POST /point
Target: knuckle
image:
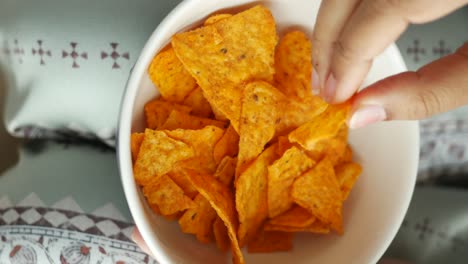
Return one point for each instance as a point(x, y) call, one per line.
point(428, 103)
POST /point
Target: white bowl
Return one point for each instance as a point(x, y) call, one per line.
point(388, 153)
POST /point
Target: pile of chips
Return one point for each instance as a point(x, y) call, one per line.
point(237, 149)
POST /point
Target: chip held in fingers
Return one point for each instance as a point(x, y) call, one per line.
point(236, 148)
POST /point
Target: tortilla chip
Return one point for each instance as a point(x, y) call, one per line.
point(281, 175)
point(318, 191)
point(217, 114)
point(169, 197)
point(293, 65)
point(271, 241)
point(262, 105)
point(197, 101)
point(316, 227)
point(226, 170)
point(135, 143)
point(199, 220)
point(251, 195)
point(228, 145)
point(332, 148)
point(222, 200)
point(347, 155)
point(324, 126)
point(221, 235)
point(178, 119)
point(215, 18)
point(294, 217)
point(225, 55)
point(283, 145)
point(157, 111)
point(347, 174)
point(158, 154)
point(181, 179)
point(203, 142)
point(173, 81)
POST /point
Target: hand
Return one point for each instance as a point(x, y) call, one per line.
point(138, 239)
point(349, 34)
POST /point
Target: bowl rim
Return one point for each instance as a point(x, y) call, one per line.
point(124, 126)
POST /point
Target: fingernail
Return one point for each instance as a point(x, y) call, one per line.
point(315, 82)
point(330, 88)
point(366, 115)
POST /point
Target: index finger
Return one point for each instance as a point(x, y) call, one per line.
point(374, 25)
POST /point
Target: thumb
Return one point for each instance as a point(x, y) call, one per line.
point(437, 87)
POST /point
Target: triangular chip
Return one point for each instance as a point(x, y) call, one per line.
point(169, 197)
point(203, 142)
point(178, 119)
point(181, 179)
point(221, 235)
point(225, 55)
point(262, 106)
point(158, 154)
point(226, 170)
point(166, 71)
point(281, 175)
point(271, 241)
point(295, 217)
point(293, 65)
point(318, 191)
point(157, 111)
point(347, 174)
point(324, 126)
point(222, 200)
point(228, 145)
point(215, 18)
point(135, 143)
point(197, 101)
point(347, 155)
point(199, 220)
point(251, 195)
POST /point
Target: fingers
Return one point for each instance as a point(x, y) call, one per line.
point(331, 19)
point(371, 28)
point(437, 87)
point(138, 239)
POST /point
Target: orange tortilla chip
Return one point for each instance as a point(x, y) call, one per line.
point(318, 191)
point(293, 65)
point(215, 18)
point(158, 154)
point(173, 81)
point(324, 126)
point(199, 220)
point(157, 111)
point(221, 235)
point(347, 155)
point(178, 119)
point(281, 175)
point(135, 144)
point(225, 55)
point(226, 170)
point(347, 174)
point(283, 145)
point(181, 179)
point(262, 105)
point(222, 200)
point(316, 227)
point(197, 101)
point(295, 217)
point(228, 145)
point(169, 197)
point(251, 195)
point(203, 142)
point(271, 241)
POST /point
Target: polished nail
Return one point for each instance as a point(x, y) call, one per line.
point(366, 115)
point(315, 82)
point(330, 89)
